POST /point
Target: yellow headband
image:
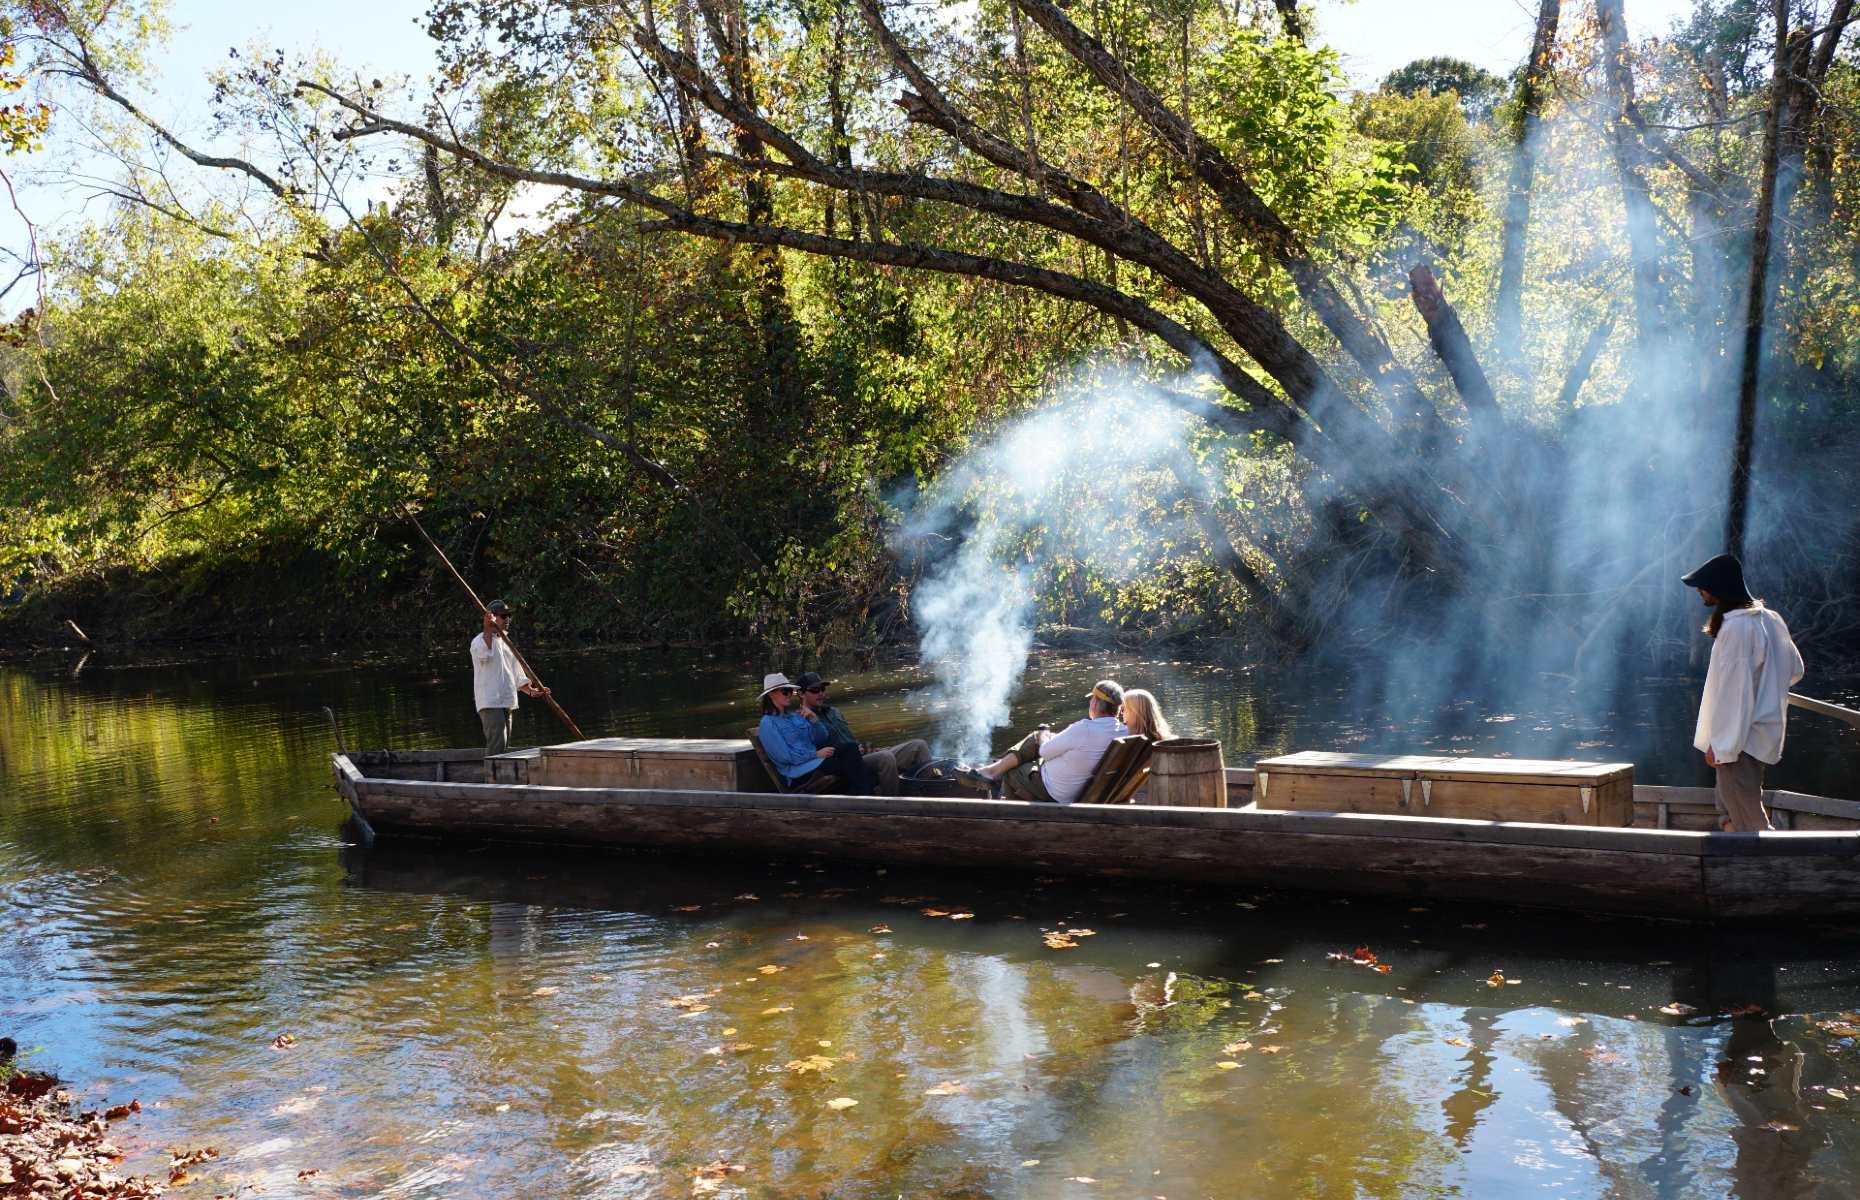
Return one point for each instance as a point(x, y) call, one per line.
point(1099, 693)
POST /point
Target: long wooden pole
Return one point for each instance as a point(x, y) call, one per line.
point(548, 697)
point(1838, 712)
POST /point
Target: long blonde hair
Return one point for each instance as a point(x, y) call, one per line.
point(1143, 717)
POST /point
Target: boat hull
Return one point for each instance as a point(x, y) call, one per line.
point(1667, 873)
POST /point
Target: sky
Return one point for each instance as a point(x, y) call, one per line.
point(388, 37)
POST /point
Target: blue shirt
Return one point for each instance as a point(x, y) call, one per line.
point(790, 739)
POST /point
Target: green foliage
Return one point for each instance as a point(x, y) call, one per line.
point(1476, 90)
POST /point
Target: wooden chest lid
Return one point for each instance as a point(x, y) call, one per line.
point(1445, 766)
point(1528, 770)
point(624, 747)
point(1327, 762)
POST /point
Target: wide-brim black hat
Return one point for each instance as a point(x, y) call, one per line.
point(1722, 576)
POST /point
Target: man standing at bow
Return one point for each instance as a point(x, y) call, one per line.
point(496, 678)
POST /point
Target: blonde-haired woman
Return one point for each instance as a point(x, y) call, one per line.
point(1142, 717)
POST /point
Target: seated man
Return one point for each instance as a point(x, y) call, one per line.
point(1055, 767)
point(886, 765)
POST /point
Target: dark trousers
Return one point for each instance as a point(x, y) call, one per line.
point(848, 766)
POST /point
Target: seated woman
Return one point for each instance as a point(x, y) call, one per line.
point(1141, 716)
point(1055, 767)
point(800, 746)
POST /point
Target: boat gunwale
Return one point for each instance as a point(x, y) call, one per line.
point(1697, 843)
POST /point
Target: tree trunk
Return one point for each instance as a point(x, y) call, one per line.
point(1448, 337)
point(1510, 303)
point(1737, 515)
point(1292, 20)
point(1643, 225)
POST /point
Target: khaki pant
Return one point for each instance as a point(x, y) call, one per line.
point(1740, 795)
point(894, 762)
point(1024, 782)
point(496, 722)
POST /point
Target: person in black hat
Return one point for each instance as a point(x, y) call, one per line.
point(1742, 715)
point(887, 764)
point(496, 678)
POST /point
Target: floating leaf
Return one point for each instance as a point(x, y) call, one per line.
point(934, 912)
point(962, 916)
point(1056, 940)
point(881, 929)
point(1455, 1041)
point(1270, 1049)
point(952, 1087)
point(770, 969)
point(691, 907)
point(1572, 1022)
point(545, 991)
point(813, 1062)
point(1228, 1065)
point(779, 1008)
point(1836, 1094)
point(284, 1041)
point(841, 1103)
point(1495, 979)
point(1676, 1009)
point(1029, 1162)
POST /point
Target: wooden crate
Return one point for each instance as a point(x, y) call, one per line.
point(1322, 781)
point(1546, 791)
point(1487, 789)
point(679, 764)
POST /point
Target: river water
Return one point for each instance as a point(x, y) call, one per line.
point(177, 895)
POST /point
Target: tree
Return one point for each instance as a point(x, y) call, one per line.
point(1478, 90)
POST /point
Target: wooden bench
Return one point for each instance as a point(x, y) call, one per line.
point(1488, 789)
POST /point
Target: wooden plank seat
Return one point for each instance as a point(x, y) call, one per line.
point(1124, 769)
point(1487, 789)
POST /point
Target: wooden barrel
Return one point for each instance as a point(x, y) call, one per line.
point(1187, 773)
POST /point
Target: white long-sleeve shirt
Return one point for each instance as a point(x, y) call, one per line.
point(1754, 662)
point(1068, 758)
point(495, 675)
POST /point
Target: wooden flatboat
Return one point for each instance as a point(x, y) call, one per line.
point(1669, 863)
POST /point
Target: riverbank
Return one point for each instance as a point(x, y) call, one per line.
point(49, 1148)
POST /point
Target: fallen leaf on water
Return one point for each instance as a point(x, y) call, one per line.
point(934, 912)
point(694, 1010)
point(691, 907)
point(770, 969)
point(1779, 1127)
point(730, 1032)
point(1228, 1065)
point(1029, 1162)
point(284, 1041)
point(1240, 1047)
point(545, 991)
point(953, 1087)
point(719, 1169)
point(309, 1173)
point(1454, 1041)
point(779, 1008)
point(1059, 941)
point(1084, 933)
point(503, 1108)
point(1676, 1009)
point(597, 978)
point(813, 1062)
point(881, 929)
point(1572, 1022)
point(749, 896)
point(1495, 979)
point(1748, 1010)
point(122, 1110)
point(1839, 1028)
point(962, 916)
point(1080, 1179)
point(1836, 1094)
point(841, 1103)
point(1270, 1049)
point(1267, 962)
point(636, 1169)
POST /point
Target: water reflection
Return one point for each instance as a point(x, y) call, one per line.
point(176, 892)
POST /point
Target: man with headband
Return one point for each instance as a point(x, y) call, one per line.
point(1054, 768)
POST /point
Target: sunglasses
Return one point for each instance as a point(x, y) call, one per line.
point(819, 691)
point(789, 691)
